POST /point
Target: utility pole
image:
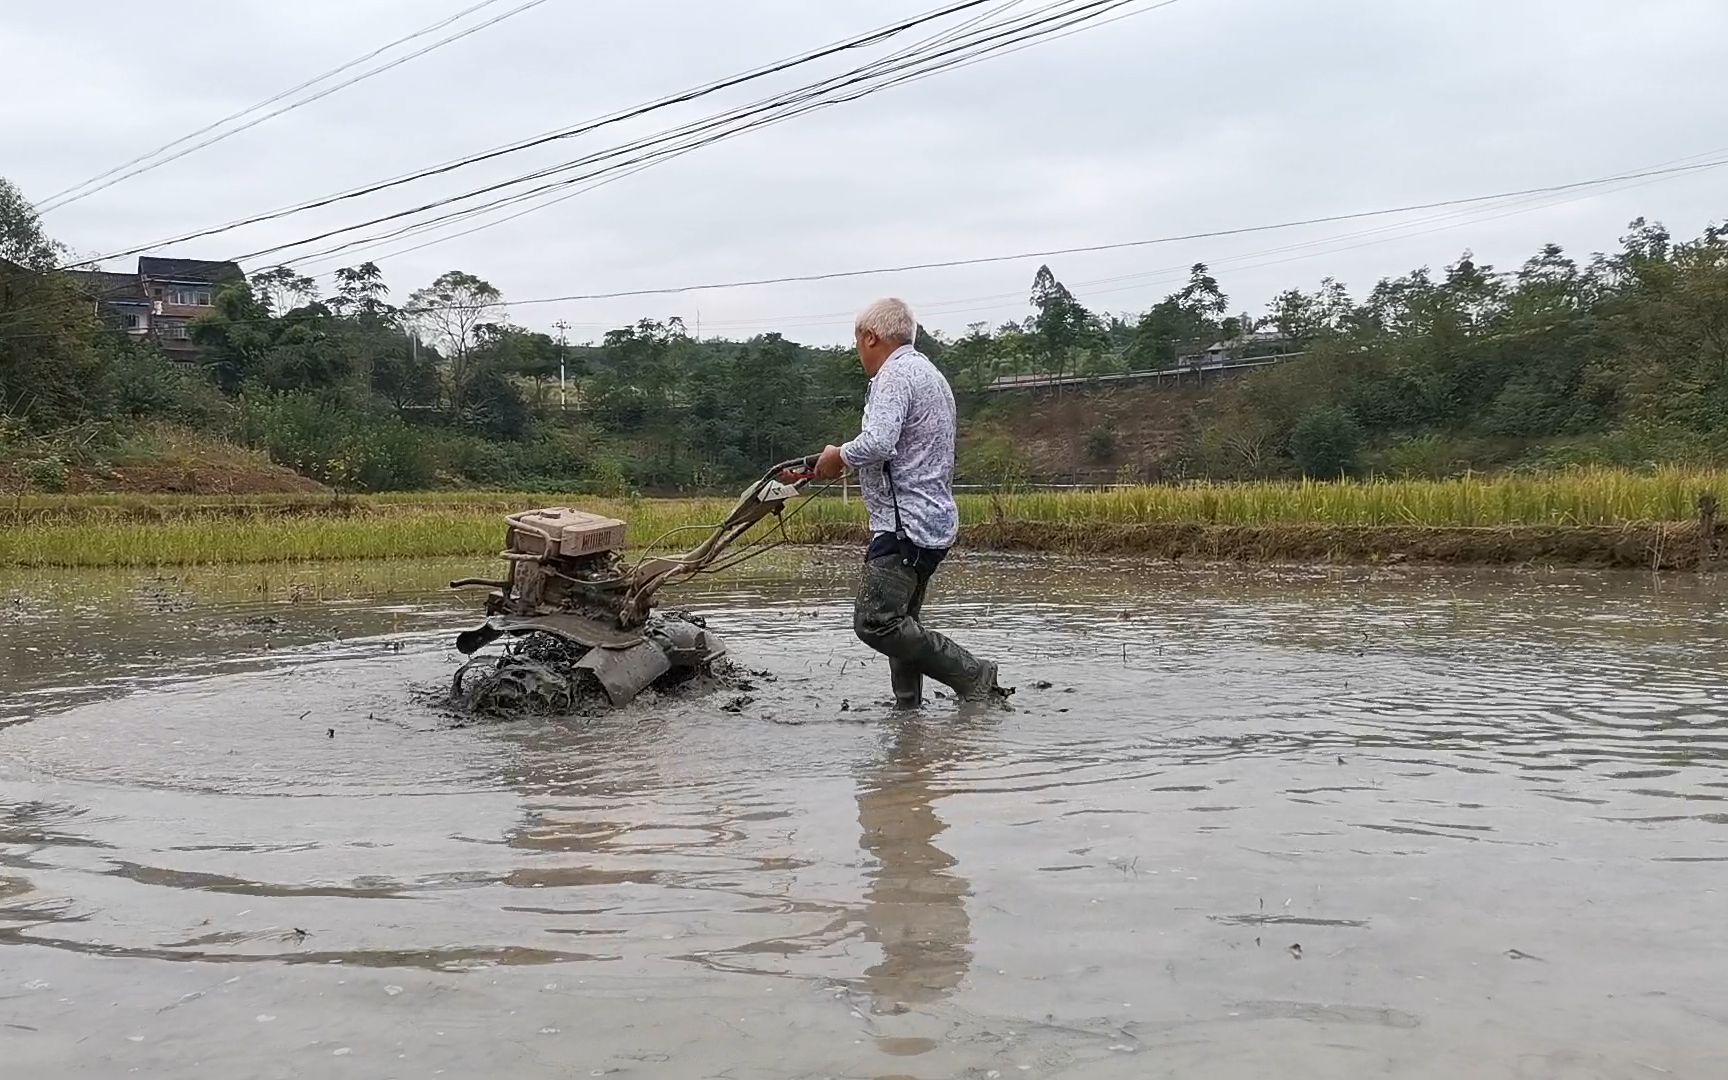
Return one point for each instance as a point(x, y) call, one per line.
point(563, 351)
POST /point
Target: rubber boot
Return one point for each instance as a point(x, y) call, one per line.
point(984, 687)
point(908, 684)
point(945, 660)
point(907, 680)
point(882, 619)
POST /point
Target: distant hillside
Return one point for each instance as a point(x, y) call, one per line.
point(1109, 431)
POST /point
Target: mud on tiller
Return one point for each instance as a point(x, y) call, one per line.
point(582, 619)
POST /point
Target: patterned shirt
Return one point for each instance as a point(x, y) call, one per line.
point(909, 422)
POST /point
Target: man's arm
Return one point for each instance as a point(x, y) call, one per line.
point(884, 414)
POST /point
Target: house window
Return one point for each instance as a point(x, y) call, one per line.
point(133, 322)
point(173, 331)
point(189, 297)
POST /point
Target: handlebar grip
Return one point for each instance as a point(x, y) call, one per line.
point(805, 465)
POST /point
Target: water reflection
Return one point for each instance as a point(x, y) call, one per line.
point(914, 904)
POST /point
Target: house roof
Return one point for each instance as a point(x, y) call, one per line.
point(115, 288)
point(201, 270)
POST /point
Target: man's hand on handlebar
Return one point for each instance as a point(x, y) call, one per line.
point(830, 465)
point(824, 466)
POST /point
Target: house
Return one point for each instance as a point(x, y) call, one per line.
point(1253, 345)
point(119, 297)
point(161, 299)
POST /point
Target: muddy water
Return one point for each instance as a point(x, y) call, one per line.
point(1260, 823)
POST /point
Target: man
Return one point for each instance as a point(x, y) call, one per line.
point(904, 457)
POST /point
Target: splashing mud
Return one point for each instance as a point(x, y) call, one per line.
point(1240, 822)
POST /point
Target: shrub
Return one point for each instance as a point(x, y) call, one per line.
point(47, 471)
point(1423, 456)
point(606, 477)
point(1637, 445)
point(992, 459)
point(477, 461)
point(1100, 445)
point(554, 457)
point(145, 385)
point(343, 447)
point(1326, 443)
point(391, 456)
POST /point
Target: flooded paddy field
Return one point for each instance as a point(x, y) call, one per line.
point(1239, 822)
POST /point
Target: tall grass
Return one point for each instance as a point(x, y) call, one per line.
point(1582, 497)
point(396, 532)
point(186, 530)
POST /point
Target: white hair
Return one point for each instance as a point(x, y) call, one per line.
point(891, 320)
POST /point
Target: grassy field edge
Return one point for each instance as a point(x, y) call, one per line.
point(1588, 517)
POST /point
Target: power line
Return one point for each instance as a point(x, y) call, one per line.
point(1646, 176)
point(1572, 186)
point(44, 205)
point(856, 42)
point(92, 185)
point(1247, 261)
point(746, 118)
point(328, 256)
point(649, 161)
point(1535, 200)
point(1141, 279)
point(704, 132)
point(1121, 245)
point(1452, 219)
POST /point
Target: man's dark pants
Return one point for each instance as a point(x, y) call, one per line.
point(886, 617)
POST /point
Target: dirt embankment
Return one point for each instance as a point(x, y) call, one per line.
point(205, 478)
point(156, 459)
point(1143, 425)
point(1668, 546)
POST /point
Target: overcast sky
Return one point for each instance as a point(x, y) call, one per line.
point(1201, 115)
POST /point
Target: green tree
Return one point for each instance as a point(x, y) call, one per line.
point(235, 336)
point(1187, 318)
point(22, 240)
point(1326, 444)
point(1304, 318)
point(361, 294)
point(281, 290)
point(51, 365)
point(450, 313)
point(51, 369)
point(403, 373)
point(1061, 325)
point(301, 349)
point(930, 345)
point(635, 391)
point(769, 390)
point(1668, 323)
point(524, 354)
point(495, 407)
point(971, 361)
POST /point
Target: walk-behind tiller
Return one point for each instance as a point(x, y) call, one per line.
point(582, 619)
